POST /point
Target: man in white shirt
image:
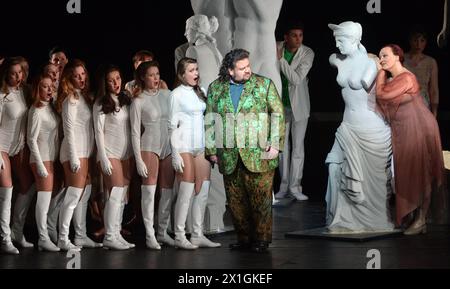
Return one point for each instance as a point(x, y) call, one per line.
point(295, 60)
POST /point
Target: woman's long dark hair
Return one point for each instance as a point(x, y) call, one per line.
point(107, 103)
point(181, 69)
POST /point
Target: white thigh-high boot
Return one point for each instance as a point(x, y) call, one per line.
point(5, 217)
point(111, 212)
point(71, 200)
point(120, 218)
point(79, 221)
point(148, 206)
point(52, 215)
point(21, 207)
point(42, 205)
point(185, 193)
point(164, 208)
point(198, 216)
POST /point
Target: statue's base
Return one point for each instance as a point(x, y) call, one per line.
point(323, 233)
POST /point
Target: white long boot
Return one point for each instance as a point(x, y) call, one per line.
point(164, 208)
point(79, 221)
point(111, 212)
point(71, 200)
point(185, 193)
point(5, 217)
point(42, 205)
point(52, 215)
point(120, 218)
point(148, 205)
point(198, 216)
point(21, 207)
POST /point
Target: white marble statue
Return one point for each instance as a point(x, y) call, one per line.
point(199, 30)
point(202, 47)
point(247, 24)
point(359, 163)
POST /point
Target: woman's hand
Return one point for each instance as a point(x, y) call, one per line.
point(75, 165)
point(177, 162)
point(141, 168)
point(106, 166)
point(42, 171)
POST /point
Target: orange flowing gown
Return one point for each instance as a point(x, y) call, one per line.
point(416, 142)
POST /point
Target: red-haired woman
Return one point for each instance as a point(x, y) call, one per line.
point(74, 104)
point(416, 143)
point(43, 141)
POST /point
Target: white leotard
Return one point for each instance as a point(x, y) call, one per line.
point(112, 131)
point(187, 115)
point(152, 111)
point(42, 135)
point(78, 128)
point(13, 121)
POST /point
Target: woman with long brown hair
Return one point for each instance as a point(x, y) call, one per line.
point(188, 103)
point(14, 154)
point(112, 135)
point(74, 104)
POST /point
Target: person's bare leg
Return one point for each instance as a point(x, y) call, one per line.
point(166, 180)
point(20, 164)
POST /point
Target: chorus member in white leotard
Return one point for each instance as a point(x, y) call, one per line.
point(52, 71)
point(188, 103)
point(43, 141)
point(77, 146)
point(14, 155)
point(150, 108)
point(112, 135)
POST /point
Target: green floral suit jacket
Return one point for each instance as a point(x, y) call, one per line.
point(257, 123)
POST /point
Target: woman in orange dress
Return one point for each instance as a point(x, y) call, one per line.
point(416, 143)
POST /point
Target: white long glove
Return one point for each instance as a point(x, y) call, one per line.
point(75, 164)
point(41, 170)
point(135, 121)
point(69, 118)
point(33, 128)
point(141, 168)
point(106, 166)
point(177, 160)
point(99, 126)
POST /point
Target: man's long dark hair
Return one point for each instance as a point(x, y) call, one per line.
point(229, 62)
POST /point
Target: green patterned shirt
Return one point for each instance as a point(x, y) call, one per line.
point(285, 92)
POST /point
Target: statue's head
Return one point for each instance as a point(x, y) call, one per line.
point(348, 36)
point(198, 26)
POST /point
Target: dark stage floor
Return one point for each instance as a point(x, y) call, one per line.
point(424, 251)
